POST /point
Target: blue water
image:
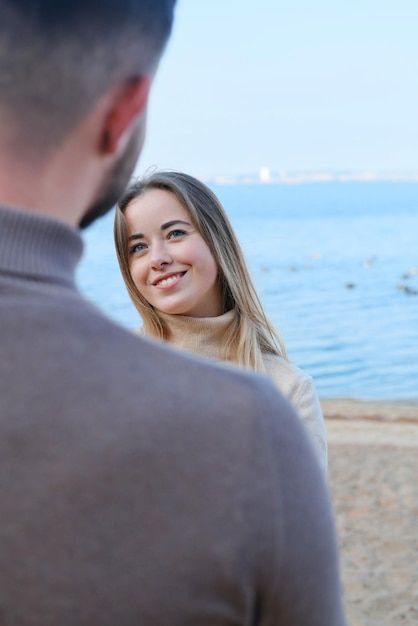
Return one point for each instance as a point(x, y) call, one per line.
point(334, 266)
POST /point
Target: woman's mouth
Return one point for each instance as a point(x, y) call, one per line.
point(169, 281)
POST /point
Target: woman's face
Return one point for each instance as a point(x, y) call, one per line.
point(170, 262)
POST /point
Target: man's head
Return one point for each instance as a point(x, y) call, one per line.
point(59, 57)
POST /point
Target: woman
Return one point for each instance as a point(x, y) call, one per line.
point(188, 279)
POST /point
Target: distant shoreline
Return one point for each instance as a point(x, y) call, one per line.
point(374, 410)
point(297, 178)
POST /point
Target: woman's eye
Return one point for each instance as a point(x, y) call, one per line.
point(138, 247)
point(173, 234)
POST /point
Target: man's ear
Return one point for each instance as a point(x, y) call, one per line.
point(130, 101)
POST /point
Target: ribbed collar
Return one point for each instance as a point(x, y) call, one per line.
point(202, 335)
point(38, 247)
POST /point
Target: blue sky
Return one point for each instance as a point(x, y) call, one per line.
point(302, 86)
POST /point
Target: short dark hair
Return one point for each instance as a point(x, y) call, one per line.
point(57, 57)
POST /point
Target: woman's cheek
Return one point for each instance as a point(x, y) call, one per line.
point(135, 274)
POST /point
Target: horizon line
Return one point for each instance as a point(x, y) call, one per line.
point(265, 177)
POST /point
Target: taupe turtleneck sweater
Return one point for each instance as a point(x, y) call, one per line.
point(205, 336)
point(139, 485)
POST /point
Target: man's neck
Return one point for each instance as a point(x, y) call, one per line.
point(54, 188)
point(59, 182)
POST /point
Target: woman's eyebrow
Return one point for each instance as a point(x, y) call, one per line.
point(162, 227)
point(173, 223)
point(136, 236)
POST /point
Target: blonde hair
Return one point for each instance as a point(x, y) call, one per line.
point(251, 335)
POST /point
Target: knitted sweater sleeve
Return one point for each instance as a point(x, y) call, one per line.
point(299, 388)
point(306, 402)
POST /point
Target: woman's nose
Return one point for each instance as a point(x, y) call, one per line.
point(160, 257)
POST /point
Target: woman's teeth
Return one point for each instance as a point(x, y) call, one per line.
point(169, 280)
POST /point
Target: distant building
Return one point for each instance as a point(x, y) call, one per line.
point(265, 175)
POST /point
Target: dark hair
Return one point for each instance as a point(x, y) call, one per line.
point(57, 57)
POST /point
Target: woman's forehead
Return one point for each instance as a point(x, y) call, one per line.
point(153, 208)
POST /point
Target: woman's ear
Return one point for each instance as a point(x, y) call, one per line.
point(129, 104)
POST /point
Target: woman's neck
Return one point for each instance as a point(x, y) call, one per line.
point(200, 335)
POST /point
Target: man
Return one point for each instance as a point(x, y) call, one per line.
point(137, 486)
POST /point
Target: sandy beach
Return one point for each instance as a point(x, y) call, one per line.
point(373, 479)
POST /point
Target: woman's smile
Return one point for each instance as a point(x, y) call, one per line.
point(168, 281)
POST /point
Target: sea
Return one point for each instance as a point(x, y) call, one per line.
point(336, 267)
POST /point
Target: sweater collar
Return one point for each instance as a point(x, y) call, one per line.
point(38, 247)
point(201, 335)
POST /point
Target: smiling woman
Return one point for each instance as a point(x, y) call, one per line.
point(188, 279)
point(169, 261)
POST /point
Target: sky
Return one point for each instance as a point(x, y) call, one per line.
point(296, 86)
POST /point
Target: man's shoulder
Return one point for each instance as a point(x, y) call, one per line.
point(224, 383)
point(197, 386)
point(85, 350)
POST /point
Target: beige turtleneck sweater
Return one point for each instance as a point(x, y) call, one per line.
point(205, 336)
